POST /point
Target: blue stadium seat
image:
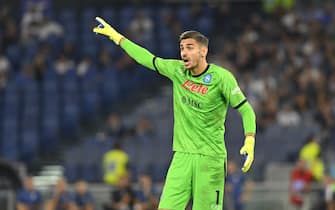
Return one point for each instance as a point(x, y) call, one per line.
point(89, 167)
point(110, 87)
point(88, 14)
point(205, 25)
point(146, 157)
point(30, 50)
point(159, 171)
point(11, 103)
point(108, 14)
point(69, 28)
point(14, 53)
point(125, 16)
point(10, 148)
point(66, 15)
point(90, 97)
point(162, 13)
point(184, 15)
point(29, 146)
point(49, 134)
point(72, 167)
point(90, 49)
point(50, 113)
point(69, 112)
point(168, 49)
point(9, 145)
point(164, 33)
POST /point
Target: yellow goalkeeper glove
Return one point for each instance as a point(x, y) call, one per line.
point(105, 29)
point(248, 151)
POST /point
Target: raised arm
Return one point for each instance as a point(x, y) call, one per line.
point(138, 53)
point(141, 55)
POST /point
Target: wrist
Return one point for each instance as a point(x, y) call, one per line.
point(121, 40)
point(117, 38)
point(250, 134)
point(249, 139)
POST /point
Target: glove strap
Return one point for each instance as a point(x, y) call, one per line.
point(116, 38)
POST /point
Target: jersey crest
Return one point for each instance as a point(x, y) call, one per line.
point(208, 78)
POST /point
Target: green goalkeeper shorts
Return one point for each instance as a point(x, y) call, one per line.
point(194, 176)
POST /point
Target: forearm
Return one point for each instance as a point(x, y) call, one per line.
point(138, 53)
point(248, 119)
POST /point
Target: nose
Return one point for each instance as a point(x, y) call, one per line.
point(183, 53)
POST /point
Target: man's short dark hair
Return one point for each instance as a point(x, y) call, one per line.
point(199, 37)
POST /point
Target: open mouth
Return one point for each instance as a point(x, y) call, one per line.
point(186, 61)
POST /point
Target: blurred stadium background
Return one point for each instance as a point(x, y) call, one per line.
point(67, 95)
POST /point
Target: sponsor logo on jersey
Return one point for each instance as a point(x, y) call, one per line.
point(207, 78)
point(195, 88)
point(190, 102)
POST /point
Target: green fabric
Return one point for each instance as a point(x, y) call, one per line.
point(200, 102)
point(138, 53)
point(248, 118)
point(197, 176)
point(200, 106)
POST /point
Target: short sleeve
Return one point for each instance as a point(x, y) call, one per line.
point(166, 67)
point(231, 91)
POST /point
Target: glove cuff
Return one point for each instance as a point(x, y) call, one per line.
point(116, 38)
point(249, 140)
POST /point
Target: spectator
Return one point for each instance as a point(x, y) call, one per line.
point(115, 127)
point(329, 192)
point(82, 197)
point(31, 22)
point(49, 28)
point(296, 48)
point(288, 117)
point(10, 32)
point(61, 199)
point(144, 141)
point(146, 195)
point(317, 168)
point(122, 196)
point(141, 27)
point(311, 149)
point(300, 185)
point(235, 187)
point(28, 198)
point(4, 71)
point(115, 164)
point(63, 64)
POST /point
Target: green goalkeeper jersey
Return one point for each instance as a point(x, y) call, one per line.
point(200, 102)
point(200, 106)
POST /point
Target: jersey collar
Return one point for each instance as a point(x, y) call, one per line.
point(202, 73)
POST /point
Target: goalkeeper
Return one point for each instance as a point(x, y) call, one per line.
point(202, 93)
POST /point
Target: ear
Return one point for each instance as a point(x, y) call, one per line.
point(203, 51)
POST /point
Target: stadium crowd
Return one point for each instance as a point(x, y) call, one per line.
point(58, 82)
